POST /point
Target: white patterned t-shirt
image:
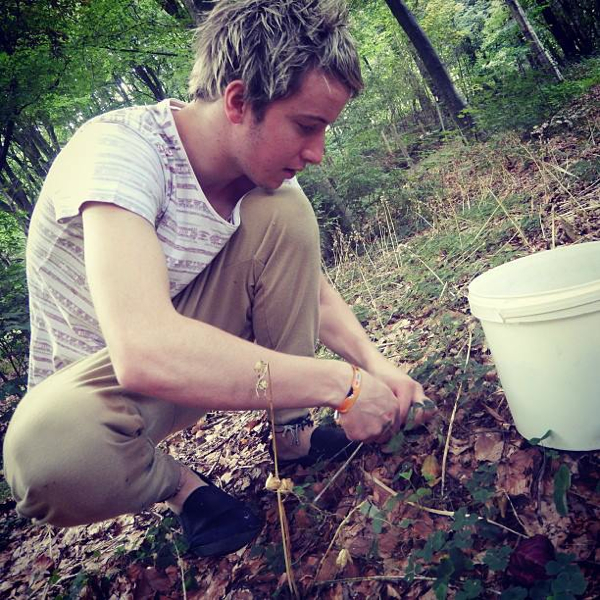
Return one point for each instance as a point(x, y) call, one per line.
point(132, 158)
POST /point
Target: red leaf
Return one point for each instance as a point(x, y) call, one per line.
point(527, 563)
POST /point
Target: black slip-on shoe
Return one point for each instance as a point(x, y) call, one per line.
point(215, 523)
point(327, 442)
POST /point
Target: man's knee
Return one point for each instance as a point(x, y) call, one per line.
point(285, 214)
point(60, 459)
point(34, 461)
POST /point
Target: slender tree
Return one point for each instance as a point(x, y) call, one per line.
point(542, 57)
point(63, 62)
point(558, 30)
point(575, 24)
point(442, 85)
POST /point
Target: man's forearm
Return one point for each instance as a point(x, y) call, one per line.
point(192, 363)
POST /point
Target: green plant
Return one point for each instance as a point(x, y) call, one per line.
point(565, 582)
point(562, 483)
point(14, 309)
point(524, 101)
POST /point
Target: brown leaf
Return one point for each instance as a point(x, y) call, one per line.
point(423, 526)
point(528, 561)
point(494, 414)
point(218, 585)
point(361, 544)
point(302, 519)
point(328, 569)
point(158, 581)
point(226, 477)
point(459, 446)
point(582, 547)
point(514, 476)
point(489, 447)
point(42, 565)
point(387, 542)
point(430, 470)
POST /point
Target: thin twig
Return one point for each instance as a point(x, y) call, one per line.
point(337, 473)
point(453, 415)
point(484, 226)
point(368, 288)
point(337, 531)
point(516, 515)
point(372, 578)
point(405, 247)
point(264, 385)
point(435, 511)
point(181, 572)
point(448, 438)
point(51, 552)
point(216, 462)
point(515, 224)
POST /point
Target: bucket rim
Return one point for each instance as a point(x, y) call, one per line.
point(489, 278)
point(582, 287)
point(559, 301)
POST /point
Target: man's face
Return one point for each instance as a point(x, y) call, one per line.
point(291, 134)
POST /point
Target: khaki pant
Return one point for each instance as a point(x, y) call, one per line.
point(80, 448)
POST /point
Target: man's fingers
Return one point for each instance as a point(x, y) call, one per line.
point(425, 409)
point(386, 434)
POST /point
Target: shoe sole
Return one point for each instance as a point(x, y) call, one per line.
point(231, 544)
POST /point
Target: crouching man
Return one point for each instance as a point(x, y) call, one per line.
point(171, 249)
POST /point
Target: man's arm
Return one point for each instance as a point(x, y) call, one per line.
point(158, 352)
point(342, 333)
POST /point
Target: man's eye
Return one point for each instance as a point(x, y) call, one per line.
point(306, 128)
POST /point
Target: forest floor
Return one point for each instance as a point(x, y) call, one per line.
point(441, 510)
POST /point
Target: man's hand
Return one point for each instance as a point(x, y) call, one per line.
point(383, 405)
point(376, 410)
point(391, 391)
point(406, 389)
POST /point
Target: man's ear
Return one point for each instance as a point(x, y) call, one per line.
point(234, 102)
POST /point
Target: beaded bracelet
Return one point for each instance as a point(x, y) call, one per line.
point(353, 393)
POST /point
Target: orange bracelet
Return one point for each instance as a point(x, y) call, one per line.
point(352, 397)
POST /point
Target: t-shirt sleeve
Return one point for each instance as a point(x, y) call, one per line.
point(107, 162)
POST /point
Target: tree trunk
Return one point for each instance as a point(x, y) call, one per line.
point(150, 79)
point(435, 67)
point(563, 39)
point(540, 54)
point(344, 212)
point(581, 19)
point(195, 8)
point(15, 196)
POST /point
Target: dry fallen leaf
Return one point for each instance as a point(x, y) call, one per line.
point(430, 470)
point(515, 475)
point(489, 447)
point(459, 446)
point(274, 484)
point(343, 558)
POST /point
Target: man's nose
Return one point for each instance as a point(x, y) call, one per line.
point(313, 153)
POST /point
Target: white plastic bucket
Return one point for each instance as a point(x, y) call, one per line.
point(541, 318)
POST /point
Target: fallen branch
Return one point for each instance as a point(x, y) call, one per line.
point(337, 531)
point(372, 578)
point(435, 511)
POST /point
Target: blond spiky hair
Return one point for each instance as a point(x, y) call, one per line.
point(270, 45)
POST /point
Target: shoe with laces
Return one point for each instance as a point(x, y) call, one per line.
point(215, 523)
